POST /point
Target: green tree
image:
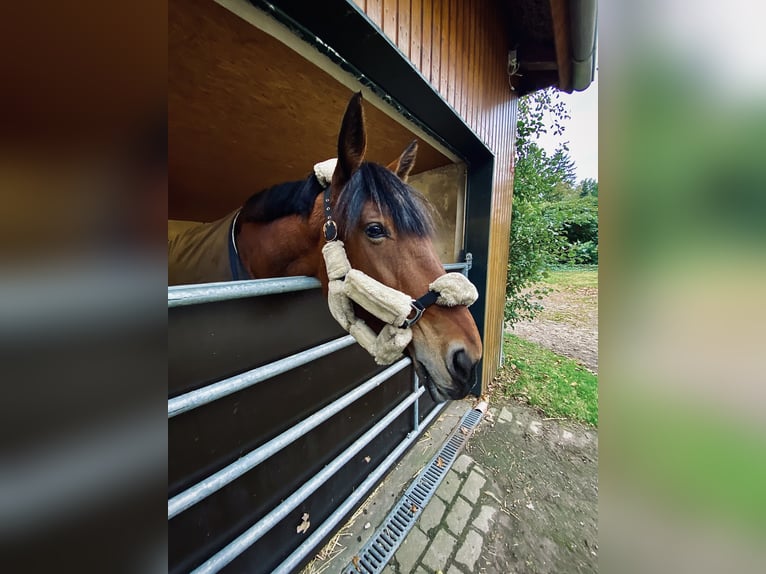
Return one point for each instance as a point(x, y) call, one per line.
point(563, 166)
point(534, 243)
point(540, 112)
point(588, 187)
point(554, 219)
point(536, 176)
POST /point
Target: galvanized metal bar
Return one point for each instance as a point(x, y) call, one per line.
point(180, 295)
point(215, 482)
point(462, 267)
point(324, 529)
point(416, 406)
point(210, 393)
point(255, 532)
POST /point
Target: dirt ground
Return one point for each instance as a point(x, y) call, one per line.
point(544, 475)
point(567, 326)
point(544, 471)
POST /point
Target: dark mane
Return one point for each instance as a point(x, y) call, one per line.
point(408, 209)
point(281, 200)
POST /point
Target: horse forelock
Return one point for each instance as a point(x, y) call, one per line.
point(408, 209)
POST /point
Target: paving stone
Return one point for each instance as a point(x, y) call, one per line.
point(454, 570)
point(486, 515)
point(462, 463)
point(506, 416)
point(472, 486)
point(458, 515)
point(411, 549)
point(449, 486)
point(420, 570)
point(438, 552)
point(432, 514)
point(470, 550)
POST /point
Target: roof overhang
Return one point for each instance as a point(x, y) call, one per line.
point(555, 43)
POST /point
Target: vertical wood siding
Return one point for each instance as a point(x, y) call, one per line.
point(461, 47)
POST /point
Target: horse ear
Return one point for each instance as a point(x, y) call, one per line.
point(352, 141)
point(402, 166)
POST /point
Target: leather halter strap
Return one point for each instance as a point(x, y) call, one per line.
point(330, 228)
point(419, 307)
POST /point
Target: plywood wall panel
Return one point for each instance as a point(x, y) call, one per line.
point(445, 42)
point(453, 62)
point(425, 46)
point(373, 9)
point(390, 17)
point(403, 24)
point(434, 73)
point(416, 33)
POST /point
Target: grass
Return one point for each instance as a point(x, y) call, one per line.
point(572, 276)
point(558, 386)
point(577, 283)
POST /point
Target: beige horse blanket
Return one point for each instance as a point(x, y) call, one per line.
point(204, 253)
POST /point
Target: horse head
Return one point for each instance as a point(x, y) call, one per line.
point(387, 229)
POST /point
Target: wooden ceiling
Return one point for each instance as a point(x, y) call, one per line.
point(247, 112)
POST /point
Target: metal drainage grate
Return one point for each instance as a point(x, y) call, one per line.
point(374, 555)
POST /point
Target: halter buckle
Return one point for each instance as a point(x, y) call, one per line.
point(418, 309)
point(330, 230)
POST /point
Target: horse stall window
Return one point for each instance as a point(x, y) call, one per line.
point(279, 423)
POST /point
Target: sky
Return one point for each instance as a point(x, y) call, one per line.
point(581, 130)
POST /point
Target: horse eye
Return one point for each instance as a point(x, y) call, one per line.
point(375, 231)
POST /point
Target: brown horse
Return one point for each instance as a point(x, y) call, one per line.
point(387, 230)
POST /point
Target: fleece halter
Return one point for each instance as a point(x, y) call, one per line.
point(397, 310)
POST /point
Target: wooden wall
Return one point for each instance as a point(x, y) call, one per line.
point(461, 48)
point(246, 112)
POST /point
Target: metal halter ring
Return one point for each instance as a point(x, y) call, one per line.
point(419, 309)
point(330, 230)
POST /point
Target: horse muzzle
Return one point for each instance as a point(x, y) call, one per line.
point(457, 385)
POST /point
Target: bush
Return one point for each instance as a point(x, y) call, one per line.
point(575, 221)
point(533, 241)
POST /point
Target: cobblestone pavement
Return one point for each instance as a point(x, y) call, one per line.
point(494, 515)
point(521, 498)
point(449, 535)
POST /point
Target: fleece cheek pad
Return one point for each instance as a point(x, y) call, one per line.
point(387, 304)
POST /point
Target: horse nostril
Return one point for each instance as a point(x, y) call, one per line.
point(461, 366)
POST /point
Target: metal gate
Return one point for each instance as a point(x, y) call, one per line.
point(279, 424)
